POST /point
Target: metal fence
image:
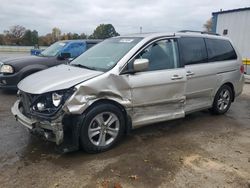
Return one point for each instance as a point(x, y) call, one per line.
point(18, 48)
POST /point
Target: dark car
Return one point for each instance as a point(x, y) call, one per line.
point(12, 70)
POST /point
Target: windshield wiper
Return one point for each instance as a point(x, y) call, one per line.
point(83, 66)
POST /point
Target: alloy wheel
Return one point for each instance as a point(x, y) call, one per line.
point(223, 99)
point(103, 129)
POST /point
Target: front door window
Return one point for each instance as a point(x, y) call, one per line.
point(161, 55)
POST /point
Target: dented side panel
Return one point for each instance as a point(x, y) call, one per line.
point(157, 96)
point(147, 97)
point(107, 86)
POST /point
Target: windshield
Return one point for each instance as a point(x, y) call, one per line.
point(54, 49)
point(105, 55)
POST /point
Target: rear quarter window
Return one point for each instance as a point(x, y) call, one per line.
point(192, 50)
point(220, 50)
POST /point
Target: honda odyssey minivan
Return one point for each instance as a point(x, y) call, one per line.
point(126, 82)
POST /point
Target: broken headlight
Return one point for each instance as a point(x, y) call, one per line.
point(57, 99)
point(50, 103)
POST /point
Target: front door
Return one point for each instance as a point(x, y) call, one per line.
point(158, 94)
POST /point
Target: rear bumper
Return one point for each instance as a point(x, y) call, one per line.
point(52, 131)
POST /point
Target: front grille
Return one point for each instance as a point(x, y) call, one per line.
point(26, 101)
point(28, 105)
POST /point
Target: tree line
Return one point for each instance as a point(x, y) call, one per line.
point(19, 35)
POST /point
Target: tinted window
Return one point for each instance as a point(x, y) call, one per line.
point(161, 55)
point(193, 50)
point(220, 50)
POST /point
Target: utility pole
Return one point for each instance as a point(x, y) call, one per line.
point(140, 29)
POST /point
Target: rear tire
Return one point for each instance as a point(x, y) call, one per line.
point(222, 100)
point(102, 128)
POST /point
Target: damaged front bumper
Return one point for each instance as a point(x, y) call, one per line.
point(50, 130)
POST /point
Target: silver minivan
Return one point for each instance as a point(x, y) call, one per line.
point(126, 82)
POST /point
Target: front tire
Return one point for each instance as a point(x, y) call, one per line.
point(102, 128)
point(222, 100)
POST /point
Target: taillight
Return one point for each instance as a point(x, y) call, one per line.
point(242, 69)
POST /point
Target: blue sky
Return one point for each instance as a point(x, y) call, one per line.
point(127, 16)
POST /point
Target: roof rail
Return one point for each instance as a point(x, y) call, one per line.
point(201, 32)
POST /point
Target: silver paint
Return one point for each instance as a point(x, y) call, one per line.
point(147, 97)
point(55, 78)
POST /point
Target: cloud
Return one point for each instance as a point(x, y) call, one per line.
point(127, 16)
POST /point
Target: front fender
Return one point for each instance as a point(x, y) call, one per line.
point(31, 69)
point(78, 103)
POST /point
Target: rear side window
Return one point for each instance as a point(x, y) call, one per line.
point(192, 50)
point(220, 50)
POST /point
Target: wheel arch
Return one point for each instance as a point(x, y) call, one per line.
point(127, 117)
point(232, 88)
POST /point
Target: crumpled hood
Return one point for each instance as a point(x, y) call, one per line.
point(55, 78)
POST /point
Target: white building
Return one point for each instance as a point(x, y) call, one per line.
point(235, 24)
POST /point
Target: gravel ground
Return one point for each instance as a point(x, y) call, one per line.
point(201, 150)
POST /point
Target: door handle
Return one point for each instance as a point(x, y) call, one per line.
point(176, 77)
point(190, 73)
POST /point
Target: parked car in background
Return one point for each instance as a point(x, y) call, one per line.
point(127, 82)
point(12, 70)
point(35, 51)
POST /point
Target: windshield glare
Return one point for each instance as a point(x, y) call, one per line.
point(105, 55)
point(54, 49)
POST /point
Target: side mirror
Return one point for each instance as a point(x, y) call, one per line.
point(140, 65)
point(64, 55)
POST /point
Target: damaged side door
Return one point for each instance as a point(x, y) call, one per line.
point(158, 94)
